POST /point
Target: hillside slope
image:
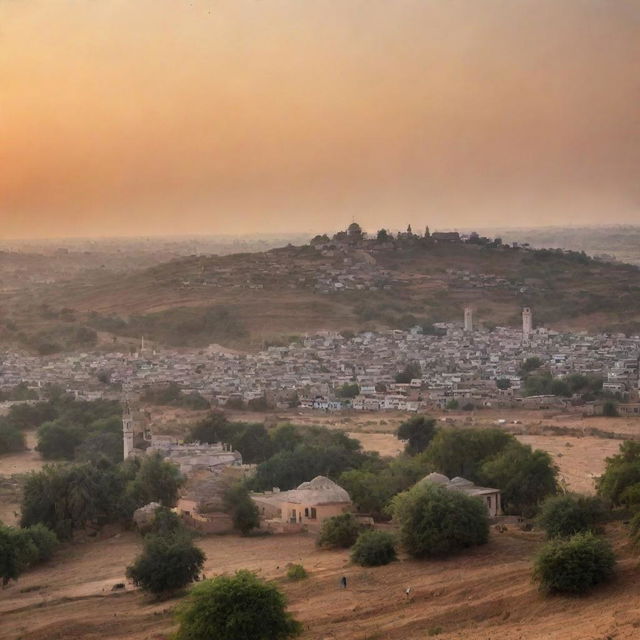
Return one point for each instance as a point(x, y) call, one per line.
point(243, 299)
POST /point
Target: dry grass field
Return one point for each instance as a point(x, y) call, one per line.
point(485, 594)
point(480, 595)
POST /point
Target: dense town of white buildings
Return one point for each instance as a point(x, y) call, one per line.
point(459, 363)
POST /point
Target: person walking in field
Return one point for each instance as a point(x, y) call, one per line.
point(343, 582)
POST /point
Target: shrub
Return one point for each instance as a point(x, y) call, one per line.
point(339, 531)
point(373, 549)
point(563, 516)
point(44, 540)
point(9, 566)
point(634, 529)
point(621, 473)
point(244, 512)
point(574, 566)
point(239, 607)
point(297, 572)
point(167, 564)
point(435, 521)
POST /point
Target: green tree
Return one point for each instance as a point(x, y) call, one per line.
point(563, 516)
point(57, 440)
point(412, 370)
point(621, 475)
point(610, 409)
point(575, 565)
point(435, 521)
point(462, 452)
point(157, 481)
point(214, 428)
point(244, 512)
point(11, 439)
point(418, 431)
point(239, 607)
point(166, 564)
point(503, 383)
point(285, 437)
point(524, 477)
point(373, 549)
point(9, 563)
point(348, 390)
point(339, 531)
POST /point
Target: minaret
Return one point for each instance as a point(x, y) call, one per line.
point(468, 319)
point(127, 430)
point(527, 323)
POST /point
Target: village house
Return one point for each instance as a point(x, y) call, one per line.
point(308, 505)
point(490, 497)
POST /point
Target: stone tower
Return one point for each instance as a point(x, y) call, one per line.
point(127, 430)
point(527, 323)
point(468, 319)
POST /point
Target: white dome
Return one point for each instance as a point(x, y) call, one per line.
point(436, 478)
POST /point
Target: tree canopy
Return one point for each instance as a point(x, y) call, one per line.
point(418, 431)
point(238, 607)
point(435, 521)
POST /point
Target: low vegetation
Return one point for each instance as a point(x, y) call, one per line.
point(238, 607)
point(21, 549)
point(562, 516)
point(297, 572)
point(243, 511)
point(374, 549)
point(339, 532)
point(168, 563)
point(575, 565)
point(172, 396)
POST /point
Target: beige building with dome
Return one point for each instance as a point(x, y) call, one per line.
point(309, 504)
point(490, 497)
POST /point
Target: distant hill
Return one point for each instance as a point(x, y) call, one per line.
point(345, 283)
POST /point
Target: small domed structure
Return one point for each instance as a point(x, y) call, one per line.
point(436, 478)
point(461, 482)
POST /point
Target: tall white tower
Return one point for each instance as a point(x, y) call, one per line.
point(127, 430)
point(527, 323)
point(468, 319)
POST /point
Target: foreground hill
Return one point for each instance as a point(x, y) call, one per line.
point(482, 594)
point(242, 300)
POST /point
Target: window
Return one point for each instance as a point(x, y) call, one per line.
point(306, 512)
point(313, 513)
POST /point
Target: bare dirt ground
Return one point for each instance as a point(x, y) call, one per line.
point(483, 594)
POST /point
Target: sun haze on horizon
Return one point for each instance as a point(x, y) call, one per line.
point(239, 116)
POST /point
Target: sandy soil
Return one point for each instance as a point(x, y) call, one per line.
point(580, 460)
point(483, 594)
point(24, 461)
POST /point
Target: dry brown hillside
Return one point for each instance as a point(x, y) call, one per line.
point(243, 299)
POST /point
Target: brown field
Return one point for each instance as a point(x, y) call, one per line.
point(486, 593)
point(483, 594)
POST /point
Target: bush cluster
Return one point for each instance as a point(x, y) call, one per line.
point(435, 521)
point(339, 532)
point(373, 549)
point(575, 565)
point(21, 549)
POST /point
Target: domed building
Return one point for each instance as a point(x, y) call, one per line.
point(490, 497)
point(309, 504)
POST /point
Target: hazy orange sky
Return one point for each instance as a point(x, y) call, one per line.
point(214, 116)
